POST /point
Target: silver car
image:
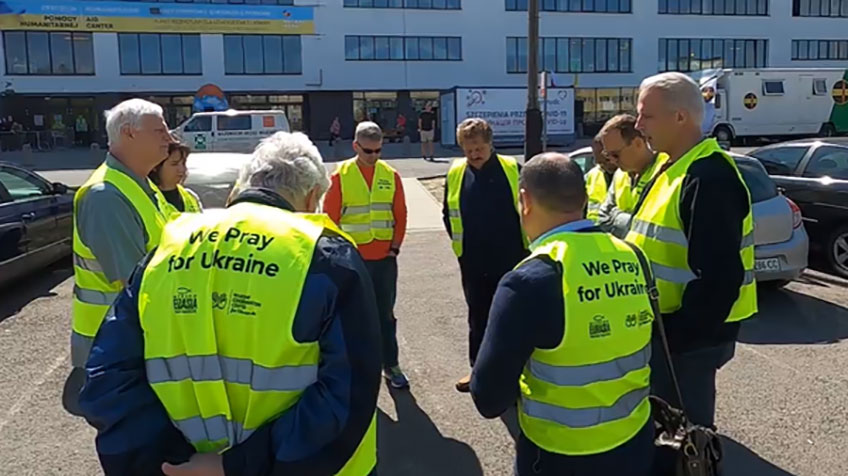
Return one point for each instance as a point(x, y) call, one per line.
point(211, 175)
point(780, 240)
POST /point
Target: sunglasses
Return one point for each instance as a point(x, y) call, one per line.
point(370, 151)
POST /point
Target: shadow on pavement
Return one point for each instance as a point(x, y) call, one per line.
point(787, 317)
point(15, 297)
point(741, 461)
point(413, 445)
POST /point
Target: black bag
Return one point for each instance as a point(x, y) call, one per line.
point(699, 449)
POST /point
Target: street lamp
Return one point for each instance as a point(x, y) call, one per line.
point(533, 116)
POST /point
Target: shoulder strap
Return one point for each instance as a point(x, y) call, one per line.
point(653, 296)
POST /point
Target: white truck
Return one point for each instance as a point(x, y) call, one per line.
point(230, 131)
point(766, 102)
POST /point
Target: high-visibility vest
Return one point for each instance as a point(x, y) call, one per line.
point(658, 230)
point(454, 191)
point(590, 393)
point(626, 194)
point(367, 212)
point(212, 314)
point(596, 189)
point(93, 291)
point(190, 204)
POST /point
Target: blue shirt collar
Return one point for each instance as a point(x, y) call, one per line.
point(570, 226)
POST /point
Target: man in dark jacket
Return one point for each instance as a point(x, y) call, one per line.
point(695, 225)
point(325, 362)
point(480, 214)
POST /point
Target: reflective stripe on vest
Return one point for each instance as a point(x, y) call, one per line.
point(596, 189)
point(658, 230)
point(219, 347)
point(454, 191)
point(93, 292)
point(367, 212)
point(590, 393)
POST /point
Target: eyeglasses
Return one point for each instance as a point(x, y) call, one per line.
point(370, 151)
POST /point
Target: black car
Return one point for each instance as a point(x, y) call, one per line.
point(36, 222)
point(814, 174)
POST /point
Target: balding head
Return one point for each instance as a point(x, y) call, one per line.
point(552, 192)
point(555, 182)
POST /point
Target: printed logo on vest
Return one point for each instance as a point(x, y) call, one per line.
point(599, 326)
point(631, 321)
point(645, 317)
point(383, 184)
point(219, 300)
point(185, 301)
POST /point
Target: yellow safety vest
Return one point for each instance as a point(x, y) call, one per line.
point(93, 292)
point(212, 314)
point(658, 230)
point(590, 393)
point(190, 204)
point(596, 189)
point(454, 183)
point(367, 212)
point(626, 195)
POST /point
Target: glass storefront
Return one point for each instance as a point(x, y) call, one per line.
point(600, 104)
point(377, 106)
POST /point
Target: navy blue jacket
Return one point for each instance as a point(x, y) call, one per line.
point(316, 436)
point(527, 313)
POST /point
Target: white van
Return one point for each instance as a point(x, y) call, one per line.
point(230, 131)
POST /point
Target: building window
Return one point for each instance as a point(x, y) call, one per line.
point(417, 4)
point(262, 54)
point(587, 6)
point(224, 2)
point(693, 54)
point(820, 8)
point(714, 7)
point(159, 54)
point(41, 53)
point(572, 55)
point(403, 48)
point(812, 50)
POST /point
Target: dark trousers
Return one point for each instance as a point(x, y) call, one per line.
point(633, 458)
point(479, 288)
point(696, 373)
point(384, 274)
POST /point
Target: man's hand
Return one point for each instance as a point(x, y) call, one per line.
point(200, 464)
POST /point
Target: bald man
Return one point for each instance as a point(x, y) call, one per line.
point(565, 381)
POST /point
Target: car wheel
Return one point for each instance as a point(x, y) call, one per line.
point(837, 251)
point(827, 130)
point(723, 134)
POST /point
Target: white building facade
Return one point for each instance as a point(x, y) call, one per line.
point(382, 58)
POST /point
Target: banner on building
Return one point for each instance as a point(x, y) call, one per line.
point(504, 109)
point(142, 17)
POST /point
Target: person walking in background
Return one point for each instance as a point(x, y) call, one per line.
point(263, 360)
point(81, 130)
point(169, 176)
point(598, 179)
point(695, 225)
point(579, 364)
point(637, 165)
point(335, 130)
point(427, 131)
point(366, 200)
point(480, 213)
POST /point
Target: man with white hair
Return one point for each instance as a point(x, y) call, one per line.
point(366, 199)
point(695, 225)
point(116, 216)
point(247, 343)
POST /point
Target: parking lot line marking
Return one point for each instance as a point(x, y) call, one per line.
point(19, 404)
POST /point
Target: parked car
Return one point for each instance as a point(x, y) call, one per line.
point(814, 174)
point(211, 175)
point(780, 240)
point(36, 222)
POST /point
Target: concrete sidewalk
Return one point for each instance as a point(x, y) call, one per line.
point(425, 214)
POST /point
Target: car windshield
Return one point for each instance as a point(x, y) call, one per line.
point(780, 160)
point(759, 183)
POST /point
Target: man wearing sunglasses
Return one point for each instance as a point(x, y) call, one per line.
point(366, 200)
point(637, 163)
point(598, 179)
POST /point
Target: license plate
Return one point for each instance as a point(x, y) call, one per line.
point(770, 264)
